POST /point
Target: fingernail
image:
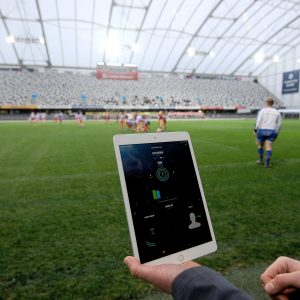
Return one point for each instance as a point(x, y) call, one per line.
point(269, 287)
point(127, 260)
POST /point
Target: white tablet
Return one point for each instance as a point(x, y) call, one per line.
point(164, 200)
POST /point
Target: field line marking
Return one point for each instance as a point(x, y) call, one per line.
point(211, 142)
point(67, 176)
point(109, 173)
point(242, 164)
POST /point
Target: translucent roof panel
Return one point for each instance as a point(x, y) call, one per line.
point(199, 36)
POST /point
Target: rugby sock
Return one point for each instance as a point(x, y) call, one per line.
point(268, 157)
point(260, 154)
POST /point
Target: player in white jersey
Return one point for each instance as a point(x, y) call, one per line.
point(139, 123)
point(60, 117)
point(80, 118)
point(32, 117)
point(130, 120)
point(267, 127)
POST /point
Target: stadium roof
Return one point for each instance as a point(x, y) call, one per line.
point(192, 36)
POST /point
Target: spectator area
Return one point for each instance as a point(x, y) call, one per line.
point(51, 88)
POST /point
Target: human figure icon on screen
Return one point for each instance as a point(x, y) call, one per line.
point(194, 224)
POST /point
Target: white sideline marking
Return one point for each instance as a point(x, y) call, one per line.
point(242, 164)
point(57, 177)
point(106, 174)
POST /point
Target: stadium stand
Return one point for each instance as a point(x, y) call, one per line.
point(55, 89)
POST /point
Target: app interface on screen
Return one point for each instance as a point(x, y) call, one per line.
point(165, 199)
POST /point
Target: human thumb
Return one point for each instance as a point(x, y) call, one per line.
point(282, 282)
point(133, 265)
point(270, 288)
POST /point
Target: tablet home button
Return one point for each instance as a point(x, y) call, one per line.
point(180, 257)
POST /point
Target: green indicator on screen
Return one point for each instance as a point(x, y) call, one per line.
point(156, 194)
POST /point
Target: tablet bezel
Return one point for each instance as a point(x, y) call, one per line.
point(144, 138)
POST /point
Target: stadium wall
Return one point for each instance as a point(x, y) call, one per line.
point(272, 77)
point(21, 115)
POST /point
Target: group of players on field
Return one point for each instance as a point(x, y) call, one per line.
point(266, 130)
point(140, 123)
point(57, 117)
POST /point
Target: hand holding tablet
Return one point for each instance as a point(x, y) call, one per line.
point(164, 200)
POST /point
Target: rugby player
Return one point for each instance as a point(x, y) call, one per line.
point(268, 124)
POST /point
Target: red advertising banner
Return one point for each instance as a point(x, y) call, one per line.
point(104, 71)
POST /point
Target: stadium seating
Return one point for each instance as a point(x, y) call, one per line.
point(54, 89)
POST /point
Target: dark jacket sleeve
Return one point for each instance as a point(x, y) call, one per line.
point(204, 283)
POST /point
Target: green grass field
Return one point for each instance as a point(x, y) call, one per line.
point(63, 230)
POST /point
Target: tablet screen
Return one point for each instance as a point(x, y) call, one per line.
point(165, 199)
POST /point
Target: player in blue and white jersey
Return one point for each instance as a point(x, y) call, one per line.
point(267, 127)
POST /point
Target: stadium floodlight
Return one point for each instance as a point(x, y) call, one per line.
point(10, 39)
point(135, 47)
point(42, 40)
point(212, 54)
point(298, 60)
point(114, 64)
point(276, 59)
point(191, 51)
point(259, 57)
point(130, 65)
point(113, 47)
